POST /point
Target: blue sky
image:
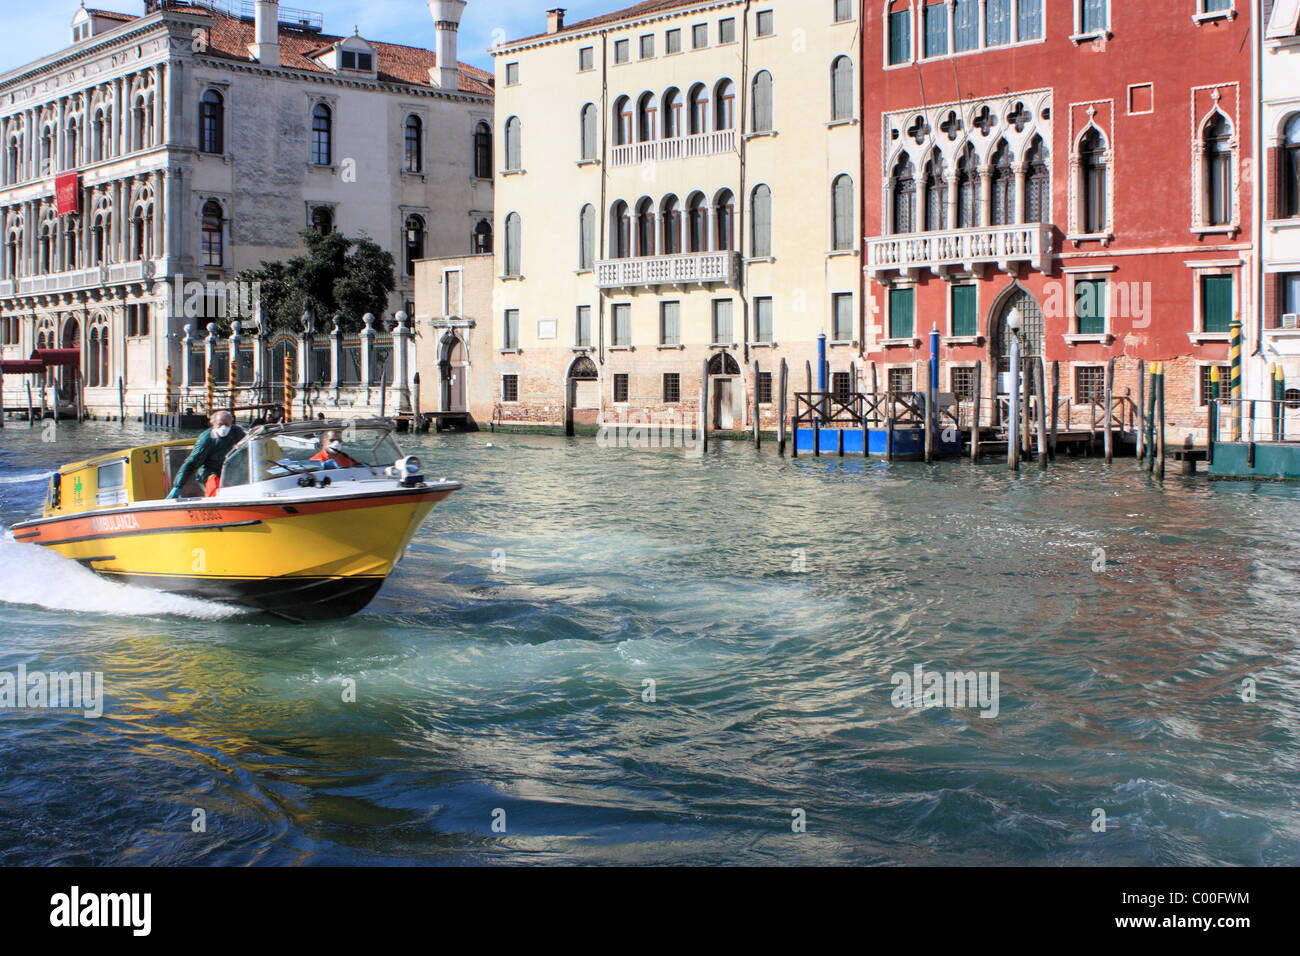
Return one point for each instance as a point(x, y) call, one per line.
point(35, 29)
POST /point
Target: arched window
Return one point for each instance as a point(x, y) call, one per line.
point(322, 136)
point(904, 194)
point(322, 219)
point(100, 136)
point(47, 151)
point(514, 149)
point(213, 246)
point(724, 105)
point(414, 144)
point(1093, 183)
point(647, 111)
point(623, 121)
point(760, 222)
point(1218, 170)
point(968, 189)
point(697, 223)
point(587, 237)
point(724, 221)
point(70, 244)
point(670, 225)
point(513, 245)
point(645, 228)
point(483, 237)
point(1038, 182)
point(483, 151)
point(672, 113)
point(1289, 168)
point(99, 233)
point(934, 193)
point(414, 242)
point(139, 125)
point(620, 231)
point(73, 157)
point(699, 109)
point(212, 123)
point(104, 354)
point(93, 364)
point(12, 155)
point(1002, 186)
point(842, 212)
point(763, 102)
point(587, 132)
point(142, 233)
point(44, 248)
point(842, 89)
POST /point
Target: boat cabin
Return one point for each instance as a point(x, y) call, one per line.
point(120, 478)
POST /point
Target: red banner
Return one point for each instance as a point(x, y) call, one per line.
point(67, 193)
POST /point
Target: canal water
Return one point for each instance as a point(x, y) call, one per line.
point(604, 655)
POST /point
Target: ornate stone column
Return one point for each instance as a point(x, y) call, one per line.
point(367, 344)
point(400, 375)
point(1020, 169)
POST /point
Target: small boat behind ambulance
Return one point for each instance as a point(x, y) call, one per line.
point(289, 531)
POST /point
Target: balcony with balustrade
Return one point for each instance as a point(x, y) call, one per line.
point(950, 250)
point(695, 145)
point(76, 280)
point(693, 268)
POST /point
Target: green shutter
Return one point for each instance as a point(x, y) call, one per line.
point(900, 37)
point(900, 314)
point(1090, 306)
point(1216, 303)
point(964, 322)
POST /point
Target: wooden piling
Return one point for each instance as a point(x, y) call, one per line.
point(839, 440)
point(1108, 390)
point(1141, 450)
point(1041, 417)
point(1056, 401)
point(875, 383)
point(889, 429)
point(781, 407)
point(1160, 438)
point(1151, 418)
point(929, 411)
point(758, 441)
point(975, 413)
point(121, 399)
point(31, 406)
point(817, 438)
point(704, 407)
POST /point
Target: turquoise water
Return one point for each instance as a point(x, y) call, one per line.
point(500, 675)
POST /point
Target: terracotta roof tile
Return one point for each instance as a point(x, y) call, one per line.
point(230, 38)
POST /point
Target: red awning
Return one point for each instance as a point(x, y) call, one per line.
point(55, 357)
point(21, 367)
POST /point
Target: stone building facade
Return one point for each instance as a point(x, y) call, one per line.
point(1088, 163)
point(195, 140)
point(677, 191)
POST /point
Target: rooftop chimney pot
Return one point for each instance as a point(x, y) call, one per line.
point(555, 20)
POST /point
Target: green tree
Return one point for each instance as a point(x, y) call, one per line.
point(347, 276)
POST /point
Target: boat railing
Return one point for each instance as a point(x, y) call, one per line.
point(1255, 420)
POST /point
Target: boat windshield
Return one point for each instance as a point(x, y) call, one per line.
point(276, 456)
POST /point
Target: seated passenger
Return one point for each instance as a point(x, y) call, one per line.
point(331, 452)
point(209, 454)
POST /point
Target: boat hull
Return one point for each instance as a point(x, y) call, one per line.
point(311, 558)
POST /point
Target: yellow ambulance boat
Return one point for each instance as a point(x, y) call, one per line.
point(286, 533)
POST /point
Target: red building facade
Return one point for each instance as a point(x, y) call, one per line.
point(1084, 161)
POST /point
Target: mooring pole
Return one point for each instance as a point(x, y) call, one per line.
point(758, 442)
point(1056, 401)
point(1160, 436)
point(1151, 417)
point(1142, 410)
point(1109, 440)
point(780, 418)
point(1041, 417)
point(704, 407)
point(1234, 390)
point(1212, 422)
point(975, 412)
point(1013, 432)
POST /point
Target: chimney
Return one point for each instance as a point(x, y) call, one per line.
point(266, 33)
point(446, 20)
point(555, 20)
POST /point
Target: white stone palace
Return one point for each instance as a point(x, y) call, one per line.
point(194, 140)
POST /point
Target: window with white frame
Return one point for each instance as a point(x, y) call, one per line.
point(721, 321)
point(763, 319)
point(586, 59)
point(582, 327)
point(764, 24)
point(670, 323)
point(621, 324)
point(842, 317)
point(842, 213)
point(761, 222)
point(899, 34)
point(1216, 149)
point(510, 329)
point(842, 89)
point(1092, 17)
point(1093, 214)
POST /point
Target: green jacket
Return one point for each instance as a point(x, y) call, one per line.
point(209, 455)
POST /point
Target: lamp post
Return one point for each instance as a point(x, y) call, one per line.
point(1013, 432)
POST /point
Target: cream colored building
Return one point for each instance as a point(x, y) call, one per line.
point(453, 322)
point(677, 185)
point(1280, 193)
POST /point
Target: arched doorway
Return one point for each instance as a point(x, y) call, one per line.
point(1031, 342)
point(581, 394)
point(452, 373)
point(725, 392)
point(1031, 334)
point(67, 375)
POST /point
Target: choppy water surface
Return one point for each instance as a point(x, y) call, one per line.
point(520, 685)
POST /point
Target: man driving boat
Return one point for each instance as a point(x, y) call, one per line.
point(331, 452)
point(209, 454)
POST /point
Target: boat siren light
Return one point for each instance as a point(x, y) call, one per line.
point(408, 470)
